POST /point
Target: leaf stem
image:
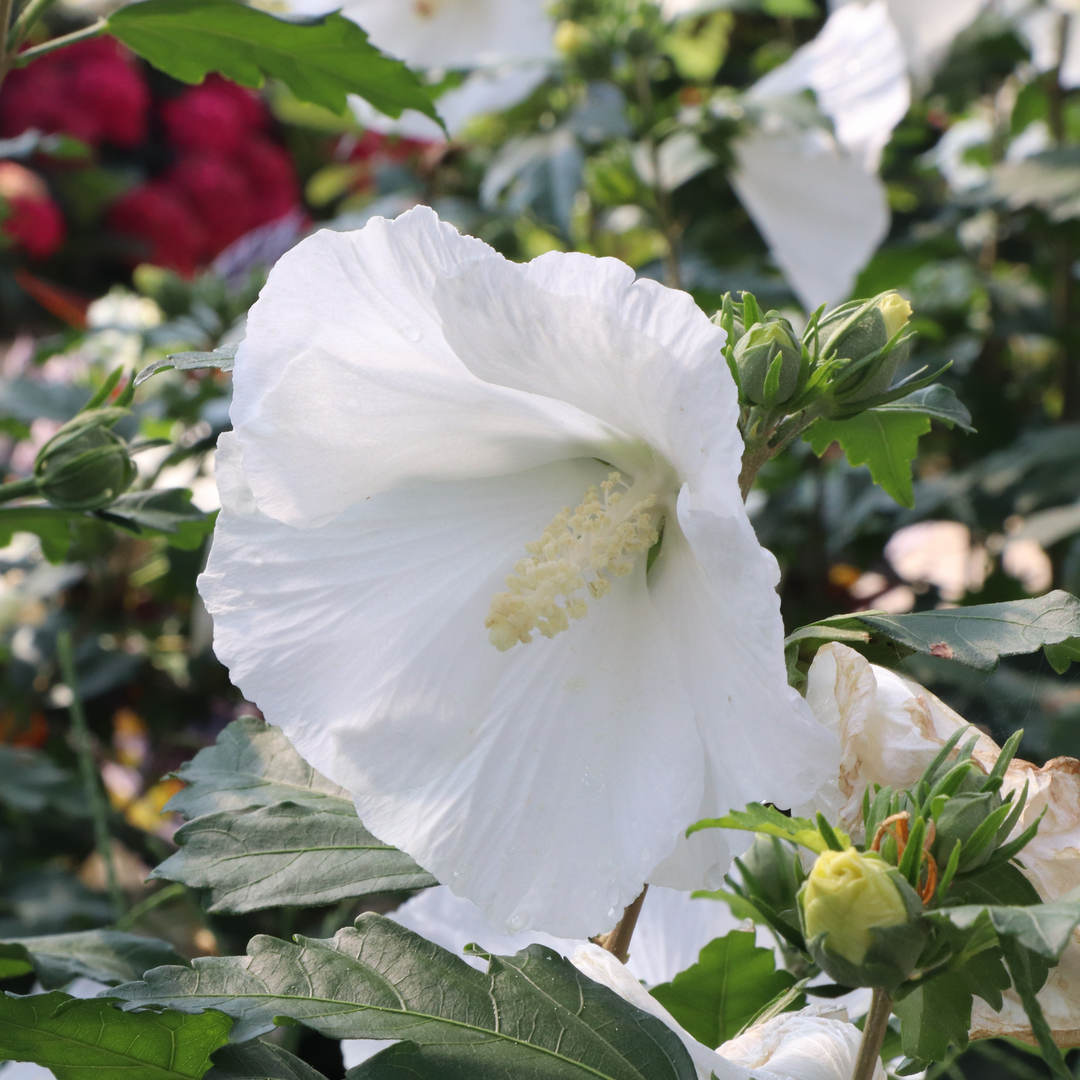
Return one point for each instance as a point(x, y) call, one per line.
point(154, 900)
point(29, 15)
point(17, 489)
point(618, 940)
point(93, 30)
point(91, 782)
point(877, 1024)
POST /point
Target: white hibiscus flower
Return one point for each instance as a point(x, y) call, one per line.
point(890, 729)
point(513, 695)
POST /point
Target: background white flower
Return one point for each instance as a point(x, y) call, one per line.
point(410, 411)
point(890, 729)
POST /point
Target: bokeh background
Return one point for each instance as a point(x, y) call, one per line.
point(141, 215)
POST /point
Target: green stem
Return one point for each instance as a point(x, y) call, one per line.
point(155, 900)
point(99, 808)
point(877, 1025)
point(25, 23)
point(18, 489)
point(93, 30)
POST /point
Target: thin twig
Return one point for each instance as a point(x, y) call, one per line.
point(154, 900)
point(95, 29)
point(618, 941)
point(877, 1025)
point(99, 808)
point(22, 26)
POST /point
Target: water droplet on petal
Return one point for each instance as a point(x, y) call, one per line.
point(518, 922)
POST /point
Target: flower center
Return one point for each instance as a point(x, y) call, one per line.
point(577, 552)
point(426, 9)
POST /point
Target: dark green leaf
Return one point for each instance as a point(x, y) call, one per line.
point(55, 528)
point(31, 782)
point(14, 960)
point(1027, 976)
point(259, 1061)
point(253, 764)
point(161, 513)
point(1063, 654)
point(732, 980)
point(530, 1016)
point(224, 359)
point(92, 1040)
point(936, 401)
point(105, 955)
point(320, 60)
point(887, 442)
point(979, 636)
point(286, 855)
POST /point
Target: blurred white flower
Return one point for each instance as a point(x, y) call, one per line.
point(412, 415)
point(815, 195)
point(815, 1044)
point(890, 729)
point(939, 553)
point(119, 309)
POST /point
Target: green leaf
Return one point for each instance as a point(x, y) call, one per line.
point(92, 1040)
point(769, 820)
point(286, 855)
point(533, 1015)
point(320, 60)
point(1027, 976)
point(108, 956)
point(886, 441)
point(31, 783)
point(938, 1013)
point(936, 401)
point(55, 528)
point(979, 636)
point(14, 960)
point(1044, 929)
point(1063, 654)
point(161, 513)
point(259, 1061)
point(251, 765)
point(224, 359)
point(732, 981)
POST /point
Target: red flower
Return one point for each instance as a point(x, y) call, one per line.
point(272, 179)
point(218, 192)
point(160, 217)
point(89, 90)
point(216, 116)
point(33, 221)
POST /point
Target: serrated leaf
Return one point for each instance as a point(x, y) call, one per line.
point(732, 981)
point(979, 636)
point(107, 956)
point(31, 782)
point(533, 1015)
point(259, 1061)
point(92, 1040)
point(769, 820)
point(886, 442)
point(1044, 929)
point(223, 358)
point(936, 401)
point(286, 855)
point(161, 513)
point(320, 60)
point(252, 764)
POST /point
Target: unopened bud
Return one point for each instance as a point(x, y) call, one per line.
point(84, 466)
point(958, 819)
point(764, 348)
point(855, 339)
point(769, 870)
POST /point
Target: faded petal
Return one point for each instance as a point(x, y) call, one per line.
point(821, 213)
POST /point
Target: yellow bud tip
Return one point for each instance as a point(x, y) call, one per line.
point(896, 311)
point(847, 896)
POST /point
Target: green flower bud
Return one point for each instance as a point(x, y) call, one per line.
point(762, 346)
point(958, 819)
point(860, 919)
point(85, 466)
point(770, 871)
point(853, 340)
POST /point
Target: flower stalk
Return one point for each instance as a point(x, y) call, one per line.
point(877, 1025)
point(617, 942)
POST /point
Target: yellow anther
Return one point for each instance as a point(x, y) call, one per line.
point(577, 552)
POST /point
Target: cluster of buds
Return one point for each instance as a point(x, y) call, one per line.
point(865, 914)
point(843, 363)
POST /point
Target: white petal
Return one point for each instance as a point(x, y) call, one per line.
point(544, 783)
point(818, 209)
point(447, 33)
point(799, 1046)
point(602, 967)
point(714, 586)
point(640, 357)
point(344, 385)
point(857, 68)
